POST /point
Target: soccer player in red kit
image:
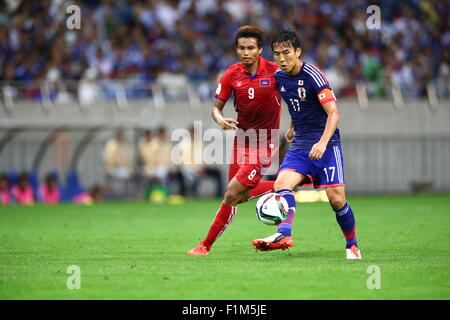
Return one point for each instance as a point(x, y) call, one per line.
point(258, 105)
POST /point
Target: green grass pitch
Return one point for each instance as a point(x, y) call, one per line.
point(137, 251)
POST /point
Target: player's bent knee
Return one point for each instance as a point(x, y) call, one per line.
point(276, 186)
point(244, 197)
point(280, 185)
point(288, 180)
point(232, 197)
point(337, 202)
point(242, 200)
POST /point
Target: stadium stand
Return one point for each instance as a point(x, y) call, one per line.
point(149, 45)
point(155, 63)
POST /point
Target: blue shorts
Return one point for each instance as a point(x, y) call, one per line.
point(326, 172)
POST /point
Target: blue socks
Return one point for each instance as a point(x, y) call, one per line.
point(346, 221)
point(285, 228)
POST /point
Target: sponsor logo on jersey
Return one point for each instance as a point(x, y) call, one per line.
point(282, 89)
point(264, 82)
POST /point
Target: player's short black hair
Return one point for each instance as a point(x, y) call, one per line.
point(249, 32)
point(287, 37)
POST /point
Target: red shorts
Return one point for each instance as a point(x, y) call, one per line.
point(248, 167)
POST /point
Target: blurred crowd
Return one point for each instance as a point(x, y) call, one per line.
point(149, 166)
point(178, 42)
point(26, 189)
point(154, 169)
point(161, 170)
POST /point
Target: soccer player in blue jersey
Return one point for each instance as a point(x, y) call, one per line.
point(315, 155)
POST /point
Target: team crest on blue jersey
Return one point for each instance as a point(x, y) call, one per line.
point(264, 82)
point(302, 93)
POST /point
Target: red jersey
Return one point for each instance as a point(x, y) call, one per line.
point(256, 98)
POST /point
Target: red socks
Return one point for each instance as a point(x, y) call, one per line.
point(225, 214)
point(223, 218)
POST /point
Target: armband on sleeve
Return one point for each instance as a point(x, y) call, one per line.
point(326, 95)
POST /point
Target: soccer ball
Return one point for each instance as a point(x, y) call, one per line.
point(272, 209)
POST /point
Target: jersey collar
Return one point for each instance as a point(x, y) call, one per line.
point(258, 71)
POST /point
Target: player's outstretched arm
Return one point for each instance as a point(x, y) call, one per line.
point(319, 148)
point(217, 115)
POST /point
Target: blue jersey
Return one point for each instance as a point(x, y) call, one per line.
point(301, 93)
